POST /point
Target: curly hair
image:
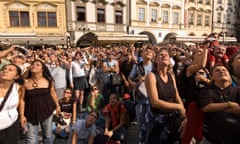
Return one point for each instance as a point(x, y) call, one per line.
point(46, 72)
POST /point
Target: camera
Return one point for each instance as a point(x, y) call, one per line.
point(59, 119)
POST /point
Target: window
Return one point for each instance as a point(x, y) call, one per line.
point(118, 17)
point(207, 20)
point(229, 2)
point(19, 18)
point(229, 18)
point(47, 19)
point(154, 15)
point(192, 1)
point(219, 17)
point(165, 17)
point(200, 1)
point(199, 19)
point(175, 18)
point(100, 15)
point(190, 18)
point(219, 1)
point(141, 14)
point(207, 2)
point(81, 14)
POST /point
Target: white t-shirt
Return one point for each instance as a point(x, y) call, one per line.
point(9, 113)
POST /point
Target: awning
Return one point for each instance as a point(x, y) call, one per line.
point(227, 39)
point(123, 37)
point(28, 39)
point(190, 38)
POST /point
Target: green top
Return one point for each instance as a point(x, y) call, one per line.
point(97, 104)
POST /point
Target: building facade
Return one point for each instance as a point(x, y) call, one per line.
point(238, 21)
point(33, 22)
point(99, 22)
point(180, 19)
point(225, 17)
point(158, 19)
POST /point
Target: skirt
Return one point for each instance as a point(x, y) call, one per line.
point(80, 83)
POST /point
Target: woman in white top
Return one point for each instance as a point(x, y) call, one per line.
point(10, 92)
point(77, 76)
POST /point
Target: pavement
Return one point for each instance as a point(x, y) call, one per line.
point(131, 137)
point(132, 134)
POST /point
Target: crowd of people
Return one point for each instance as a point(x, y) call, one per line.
point(175, 93)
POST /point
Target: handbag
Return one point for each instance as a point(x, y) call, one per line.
point(116, 79)
point(170, 131)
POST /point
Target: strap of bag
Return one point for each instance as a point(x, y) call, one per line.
point(140, 68)
point(6, 97)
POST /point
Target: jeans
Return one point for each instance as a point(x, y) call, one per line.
point(32, 136)
point(141, 110)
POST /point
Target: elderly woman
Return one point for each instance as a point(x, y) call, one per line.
point(220, 103)
point(165, 102)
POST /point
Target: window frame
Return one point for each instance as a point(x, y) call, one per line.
point(47, 18)
point(174, 23)
point(219, 17)
point(165, 19)
point(141, 14)
point(81, 13)
point(191, 19)
point(154, 15)
point(207, 20)
point(101, 17)
point(199, 19)
point(19, 19)
point(119, 18)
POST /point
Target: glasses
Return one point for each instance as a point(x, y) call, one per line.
point(67, 92)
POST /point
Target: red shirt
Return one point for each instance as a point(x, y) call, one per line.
point(216, 60)
point(114, 112)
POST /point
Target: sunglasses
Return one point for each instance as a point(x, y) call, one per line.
point(67, 92)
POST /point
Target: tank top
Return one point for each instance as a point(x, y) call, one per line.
point(39, 105)
point(9, 113)
point(166, 92)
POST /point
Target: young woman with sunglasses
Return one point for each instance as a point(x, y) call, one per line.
point(68, 112)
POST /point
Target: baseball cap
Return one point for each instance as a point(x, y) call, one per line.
point(126, 96)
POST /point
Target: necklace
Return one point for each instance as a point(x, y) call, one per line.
point(34, 84)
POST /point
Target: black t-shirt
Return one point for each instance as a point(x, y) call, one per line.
point(66, 106)
point(221, 127)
